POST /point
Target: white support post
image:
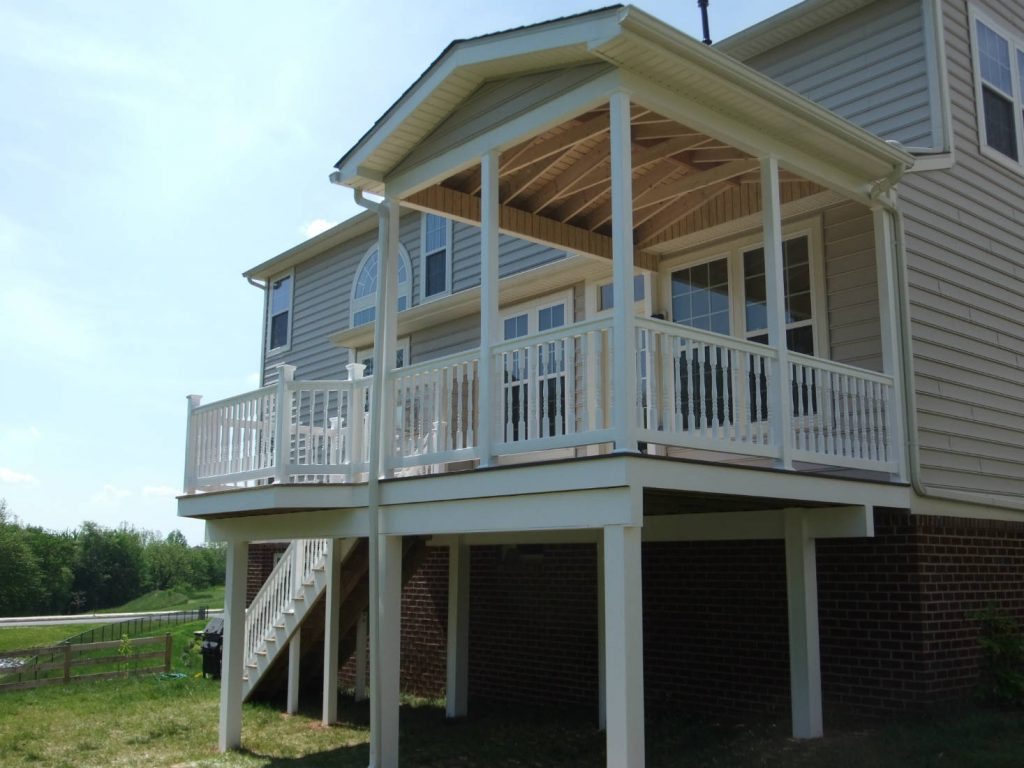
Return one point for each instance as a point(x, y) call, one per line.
point(283, 427)
point(804, 649)
point(457, 688)
point(624, 365)
point(294, 668)
point(888, 318)
point(624, 648)
point(332, 632)
point(780, 398)
point(362, 635)
point(602, 675)
point(489, 400)
point(190, 446)
point(386, 351)
point(390, 647)
point(236, 571)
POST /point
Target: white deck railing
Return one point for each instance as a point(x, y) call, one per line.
point(277, 595)
point(695, 391)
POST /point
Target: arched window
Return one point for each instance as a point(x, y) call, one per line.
point(364, 288)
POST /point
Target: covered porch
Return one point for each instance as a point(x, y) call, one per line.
point(613, 136)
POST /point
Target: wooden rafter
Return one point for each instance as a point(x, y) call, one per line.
point(652, 178)
point(670, 130)
point(555, 144)
point(694, 181)
point(569, 179)
point(676, 210)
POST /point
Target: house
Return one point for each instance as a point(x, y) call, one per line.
point(788, 471)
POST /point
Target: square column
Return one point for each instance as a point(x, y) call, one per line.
point(332, 632)
point(602, 682)
point(487, 380)
point(624, 647)
point(294, 664)
point(889, 325)
point(804, 647)
point(384, 716)
point(780, 400)
point(233, 660)
point(457, 688)
point(624, 370)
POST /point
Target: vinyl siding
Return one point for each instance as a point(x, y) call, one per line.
point(851, 286)
point(869, 67)
point(322, 290)
point(965, 254)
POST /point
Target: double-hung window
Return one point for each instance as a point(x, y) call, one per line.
point(436, 272)
point(998, 78)
point(279, 324)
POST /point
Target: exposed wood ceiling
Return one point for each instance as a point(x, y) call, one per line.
point(560, 182)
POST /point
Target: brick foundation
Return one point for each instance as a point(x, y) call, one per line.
point(895, 613)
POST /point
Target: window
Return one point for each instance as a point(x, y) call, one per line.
point(280, 319)
point(436, 261)
point(606, 294)
point(797, 282)
point(547, 417)
point(365, 356)
point(364, 289)
point(998, 76)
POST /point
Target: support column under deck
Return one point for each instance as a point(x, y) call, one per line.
point(624, 659)
point(389, 643)
point(362, 635)
point(804, 648)
point(230, 731)
point(294, 664)
point(332, 631)
point(457, 688)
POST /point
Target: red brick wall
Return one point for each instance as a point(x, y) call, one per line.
point(261, 563)
point(533, 624)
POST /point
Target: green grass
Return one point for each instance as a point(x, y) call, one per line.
point(173, 600)
point(153, 722)
point(16, 638)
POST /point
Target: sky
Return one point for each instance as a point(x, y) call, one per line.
point(149, 154)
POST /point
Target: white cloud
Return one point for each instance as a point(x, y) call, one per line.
point(12, 477)
point(316, 226)
point(159, 491)
point(110, 494)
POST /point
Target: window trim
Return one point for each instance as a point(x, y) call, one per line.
point(641, 308)
point(974, 15)
point(449, 231)
point(269, 313)
point(532, 307)
point(358, 305)
point(733, 253)
point(402, 344)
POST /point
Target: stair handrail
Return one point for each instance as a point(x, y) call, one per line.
point(277, 595)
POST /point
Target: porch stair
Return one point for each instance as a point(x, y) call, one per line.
point(354, 594)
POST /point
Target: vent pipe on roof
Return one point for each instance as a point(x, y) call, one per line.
point(703, 5)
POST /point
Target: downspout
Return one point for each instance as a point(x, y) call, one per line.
point(263, 336)
point(373, 482)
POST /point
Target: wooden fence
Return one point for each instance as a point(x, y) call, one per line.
point(79, 662)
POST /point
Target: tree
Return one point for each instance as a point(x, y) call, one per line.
point(20, 576)
point(108, 566)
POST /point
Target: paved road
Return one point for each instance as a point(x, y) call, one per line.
point(86, 618)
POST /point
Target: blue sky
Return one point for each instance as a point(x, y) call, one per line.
point(148, 155)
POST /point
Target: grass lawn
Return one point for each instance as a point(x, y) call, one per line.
point(16, 638)
point(173, 600)
point(153, 722)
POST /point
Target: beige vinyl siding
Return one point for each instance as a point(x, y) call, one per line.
point(965, 253)
point(869, 67)
point(851, 286)
point(322, 290)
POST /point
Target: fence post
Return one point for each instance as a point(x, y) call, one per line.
point(191, 446)
point(167, 652)
point(282, 431)
point(67, 664)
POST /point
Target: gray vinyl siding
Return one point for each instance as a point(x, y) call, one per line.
point(869, 67)
point(851, 286)
point(322, 290)
point(495, 103)
point(965, 254)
